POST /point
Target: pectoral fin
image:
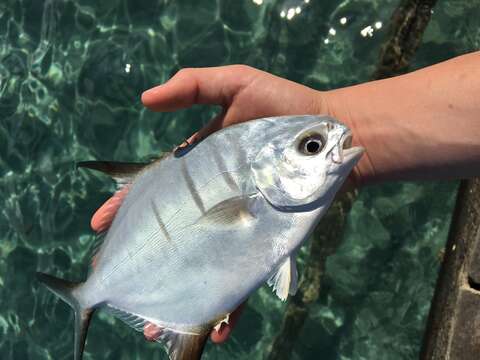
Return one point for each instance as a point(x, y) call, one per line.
point(284, 281)
point(232, 211)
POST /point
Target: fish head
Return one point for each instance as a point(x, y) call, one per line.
point(304, 160)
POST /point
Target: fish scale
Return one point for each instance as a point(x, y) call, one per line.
point(204, 227)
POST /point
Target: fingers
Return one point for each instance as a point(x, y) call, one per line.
point(103, 217)
point(213, 125)
point(151, 332)
point(216, 86)
point(222, 335)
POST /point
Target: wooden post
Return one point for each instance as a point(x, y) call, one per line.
point(453, 330)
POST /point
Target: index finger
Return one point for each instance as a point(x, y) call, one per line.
point(215, 85)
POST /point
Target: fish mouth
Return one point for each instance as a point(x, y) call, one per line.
point(350, 152)
point(353, 153)
point(347, 141)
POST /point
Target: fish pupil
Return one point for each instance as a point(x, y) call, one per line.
point(313, 146)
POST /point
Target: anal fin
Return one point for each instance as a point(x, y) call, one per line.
point(182, 346)
point(179, 344)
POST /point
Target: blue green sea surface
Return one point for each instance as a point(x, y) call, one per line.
point(71, 75)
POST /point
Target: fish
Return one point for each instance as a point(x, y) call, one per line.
point(208, 224)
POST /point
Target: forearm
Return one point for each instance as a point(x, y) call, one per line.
point(422, 125)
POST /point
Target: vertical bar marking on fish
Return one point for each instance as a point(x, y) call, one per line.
point(229, 180)
point(191, 187)
point(160, 223)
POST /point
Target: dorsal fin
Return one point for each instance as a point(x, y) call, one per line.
point(121, 172)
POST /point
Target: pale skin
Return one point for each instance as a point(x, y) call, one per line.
point(424, 125)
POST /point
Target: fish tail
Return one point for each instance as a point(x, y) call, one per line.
point(64, 290)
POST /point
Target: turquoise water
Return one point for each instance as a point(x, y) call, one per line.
point(71, 73)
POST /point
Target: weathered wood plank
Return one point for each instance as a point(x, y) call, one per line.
point(453, 330)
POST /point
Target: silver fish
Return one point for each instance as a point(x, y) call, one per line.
point(208, 224)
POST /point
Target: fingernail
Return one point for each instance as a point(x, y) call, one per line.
point(151, 91)
point(194, 138)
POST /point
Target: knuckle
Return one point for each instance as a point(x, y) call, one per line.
point(243, 68)
point(184, 72)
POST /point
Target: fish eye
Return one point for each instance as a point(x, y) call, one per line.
point(311, 144)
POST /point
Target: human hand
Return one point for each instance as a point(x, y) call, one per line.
point(244, 93)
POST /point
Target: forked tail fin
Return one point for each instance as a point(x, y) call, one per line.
point(64, 290)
